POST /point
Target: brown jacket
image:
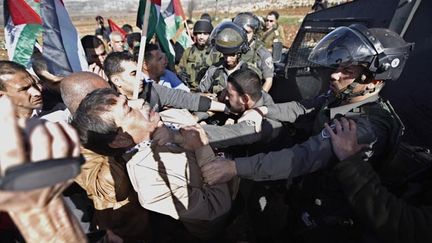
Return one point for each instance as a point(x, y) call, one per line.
point(107, 184)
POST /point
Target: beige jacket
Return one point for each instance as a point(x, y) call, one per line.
point(117, 208)
point(168, 181)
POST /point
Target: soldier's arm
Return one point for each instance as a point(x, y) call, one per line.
point(285, 112)
point(182, 99)
point(268, 83)
point(266, 67)
point(207, 81)
point(241, 133)
point(281, 34)
point(314, 154)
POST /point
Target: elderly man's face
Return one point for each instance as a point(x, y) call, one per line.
point(117, 43)
point(22, 90)
point(137, 121)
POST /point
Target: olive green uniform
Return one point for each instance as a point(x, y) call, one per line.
point(195, 62)
point(274, 35)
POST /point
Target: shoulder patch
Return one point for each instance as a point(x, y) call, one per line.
point(276, 32)
point(269, 62)
point(325, 134)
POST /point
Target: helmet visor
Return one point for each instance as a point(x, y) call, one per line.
point(342, 47)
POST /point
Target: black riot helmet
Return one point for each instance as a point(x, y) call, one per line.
point(247, 19)
point(229, 38)
point(202, 26)
point(381, 51)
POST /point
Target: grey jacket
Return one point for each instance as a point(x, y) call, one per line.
point(159, 96)
point(244, 133)
point(316, 152)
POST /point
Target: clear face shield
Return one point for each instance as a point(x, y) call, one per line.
point(342, 47)
point(216, 30)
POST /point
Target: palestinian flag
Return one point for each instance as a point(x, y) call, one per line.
point(23, 25)
point(174, 18)
point(115, 28)
point(61, 47)
point(156, 26)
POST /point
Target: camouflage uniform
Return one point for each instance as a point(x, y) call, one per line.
point(216, 77)
point(195, 63)
point(274, 35)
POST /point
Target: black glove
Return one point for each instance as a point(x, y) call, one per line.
point(184, 76)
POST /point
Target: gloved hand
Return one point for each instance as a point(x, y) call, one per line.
point(184, 76)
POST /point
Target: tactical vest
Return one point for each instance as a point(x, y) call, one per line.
point(318, 199)
point(197, 63)
point(374, 111)
point(220, 77)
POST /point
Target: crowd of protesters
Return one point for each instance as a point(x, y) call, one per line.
point(204, 154)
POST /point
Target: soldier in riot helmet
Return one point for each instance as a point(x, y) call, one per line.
point(257, 55)
point(197, 58)
point(230, 40)
point(362, 60)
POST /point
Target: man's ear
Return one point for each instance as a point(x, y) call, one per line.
point(122, 140)
point(116, 80)
point(245, 99)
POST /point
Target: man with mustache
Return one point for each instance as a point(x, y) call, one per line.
point(166, 177)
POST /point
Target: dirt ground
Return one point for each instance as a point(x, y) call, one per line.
point(86, 24)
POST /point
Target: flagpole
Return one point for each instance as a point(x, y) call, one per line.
point(142, 49)
point(187, 28)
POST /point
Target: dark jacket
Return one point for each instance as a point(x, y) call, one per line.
point(391, 218)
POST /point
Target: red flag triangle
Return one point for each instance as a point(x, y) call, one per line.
point(22, 13)
point(115, 27)
point(178, 9)
point(157, 2)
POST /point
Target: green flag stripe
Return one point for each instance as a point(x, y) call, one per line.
point(26, 41)
point(156, 26)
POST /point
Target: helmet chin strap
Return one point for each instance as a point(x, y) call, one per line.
point(348, 93)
